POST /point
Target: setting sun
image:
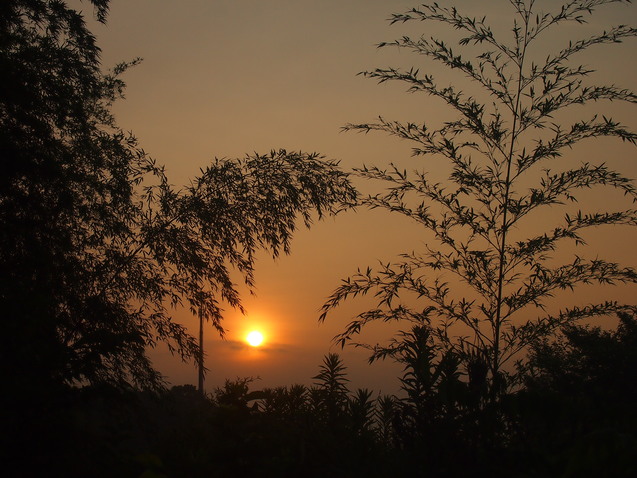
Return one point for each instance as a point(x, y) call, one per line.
point(255, 338)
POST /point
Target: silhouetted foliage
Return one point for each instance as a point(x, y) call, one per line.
point(552, 428)
point(585, 359)
point(479, 298)
point(97, 249)
point(503, 147)
point(361, 411)
point(331, 384)
point(576, 415)
point(96, 246)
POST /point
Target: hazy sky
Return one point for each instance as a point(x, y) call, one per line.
point(228, 77)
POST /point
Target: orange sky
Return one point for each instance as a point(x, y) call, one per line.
point(229, 77)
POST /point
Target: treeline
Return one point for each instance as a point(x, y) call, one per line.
point(573, 415)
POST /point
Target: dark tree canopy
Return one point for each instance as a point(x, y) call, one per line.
point(96, 246)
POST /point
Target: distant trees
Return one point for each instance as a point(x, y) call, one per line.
point(235, 431)
point(575, 413)
point(567, 420)
point(588, 361)
point(503, 148)
point(96, 246)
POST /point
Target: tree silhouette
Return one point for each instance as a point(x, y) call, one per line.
point(575, 414)
point(504, 148)
point(97, 246)
point(588, 361)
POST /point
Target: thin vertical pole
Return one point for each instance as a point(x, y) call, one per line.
point(200, 361)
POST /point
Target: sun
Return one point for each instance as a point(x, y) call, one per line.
point(255, 338)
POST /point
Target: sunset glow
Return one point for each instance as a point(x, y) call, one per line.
point(255, 338)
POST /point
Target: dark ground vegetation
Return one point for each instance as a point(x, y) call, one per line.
point(573, 416)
